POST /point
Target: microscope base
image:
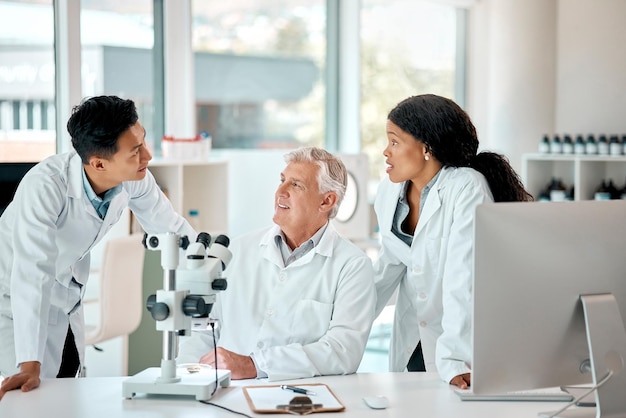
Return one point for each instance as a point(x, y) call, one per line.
point(199, 384)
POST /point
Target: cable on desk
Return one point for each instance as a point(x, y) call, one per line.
point(212, 323)
point(594, 388)
point(227, 409)
point(215, 352)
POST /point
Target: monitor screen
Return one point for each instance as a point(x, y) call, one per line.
point(10, 176)
point(533, 261)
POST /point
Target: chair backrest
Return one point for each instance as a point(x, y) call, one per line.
point(120, 300)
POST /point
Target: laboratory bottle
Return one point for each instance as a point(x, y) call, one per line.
point(568, 145)
point(570, 194)
point(603, 145)
point(579, 145)
point(591, 147)
point(615, 146)
point(624, 144)
point(602, 192)
point(558, 191)
point(544, 145)
point(615, 194)
point(556, 147)
point(623, 192)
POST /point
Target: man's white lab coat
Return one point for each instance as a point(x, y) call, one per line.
point(434, 302)
point(46, 234)
point(310, 318)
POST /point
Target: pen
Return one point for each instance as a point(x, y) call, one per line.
point(297, 390)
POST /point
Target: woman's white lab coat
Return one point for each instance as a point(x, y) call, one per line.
point(46, 234)
point(310, 318)
point(434, 274)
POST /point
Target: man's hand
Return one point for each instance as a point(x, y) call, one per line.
point(462, 381)
point(241, 367)
point(27, 379)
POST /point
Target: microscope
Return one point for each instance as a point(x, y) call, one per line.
point(188, 294)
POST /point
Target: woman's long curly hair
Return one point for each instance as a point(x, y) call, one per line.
point(450, 136)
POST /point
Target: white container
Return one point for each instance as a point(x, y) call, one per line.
point(186, 149)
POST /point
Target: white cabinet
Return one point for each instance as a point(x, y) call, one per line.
point(200, 186)
point(584, 172)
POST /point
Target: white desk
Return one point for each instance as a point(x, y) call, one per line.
point(410, 394)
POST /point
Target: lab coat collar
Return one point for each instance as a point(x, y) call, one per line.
point(75, 177)
point(272, 253)
point(433, 201)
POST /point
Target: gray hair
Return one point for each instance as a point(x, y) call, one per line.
point(332, 175)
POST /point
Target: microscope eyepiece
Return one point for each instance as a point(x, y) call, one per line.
point(222, 240)
point(204, 238)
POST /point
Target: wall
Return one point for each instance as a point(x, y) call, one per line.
point(591, 67)
point(511, 73)
point(545, 66)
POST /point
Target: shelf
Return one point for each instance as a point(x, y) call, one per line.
point(195, 185)
point(584, 172)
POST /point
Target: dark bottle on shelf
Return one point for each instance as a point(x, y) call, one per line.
point(556, 146)
point(615, 146)
point(557, 190)
point(602, 192)
point(603, 145)
point(579, 145)
point(591, 147)
point(568, 145)
point(615, 194)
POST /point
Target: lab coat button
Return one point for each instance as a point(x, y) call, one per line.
point(270, 312)
point(259, 344)
point(282, 277)
point(423, 324)
point(416, 269)
point(422, 295)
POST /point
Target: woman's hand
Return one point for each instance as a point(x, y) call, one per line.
point(462, 381)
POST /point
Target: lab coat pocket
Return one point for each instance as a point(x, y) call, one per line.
point(5, 306)
point(435, 251)
point(310, 321)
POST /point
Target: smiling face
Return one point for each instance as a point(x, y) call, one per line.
point(299, 207)
point(405, 156)
point(129, 163)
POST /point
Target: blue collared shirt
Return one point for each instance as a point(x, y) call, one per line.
point(101, 205)
point(402, 210)
point(291, 256)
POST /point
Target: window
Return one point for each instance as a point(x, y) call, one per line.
point(27, 112)
point(259, 72)
point(408, 47)
point(116, 53)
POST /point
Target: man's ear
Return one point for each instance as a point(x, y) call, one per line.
point(329, 202)
point(96, 163)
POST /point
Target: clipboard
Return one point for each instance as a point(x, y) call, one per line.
point(271, 399)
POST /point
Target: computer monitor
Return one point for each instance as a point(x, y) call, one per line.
point(11, 174)
point(533, 261)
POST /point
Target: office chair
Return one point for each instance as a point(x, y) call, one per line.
point(120, 301)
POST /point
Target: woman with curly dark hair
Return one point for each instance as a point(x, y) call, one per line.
point(425, 209)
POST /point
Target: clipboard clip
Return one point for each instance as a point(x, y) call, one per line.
point(300, 405)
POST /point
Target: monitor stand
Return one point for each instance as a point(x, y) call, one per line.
point(606, 339)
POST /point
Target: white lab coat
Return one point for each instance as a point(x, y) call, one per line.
point(310, 318)
point(434, 275)
point(46, 234)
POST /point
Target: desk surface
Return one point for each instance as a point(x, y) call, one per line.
point(409, 394)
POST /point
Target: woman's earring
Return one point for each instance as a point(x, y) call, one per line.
point(426, 157)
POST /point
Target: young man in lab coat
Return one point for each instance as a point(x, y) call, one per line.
point(300, 299)
point(61, 209)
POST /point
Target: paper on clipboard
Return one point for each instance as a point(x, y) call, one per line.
point(265, 399)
